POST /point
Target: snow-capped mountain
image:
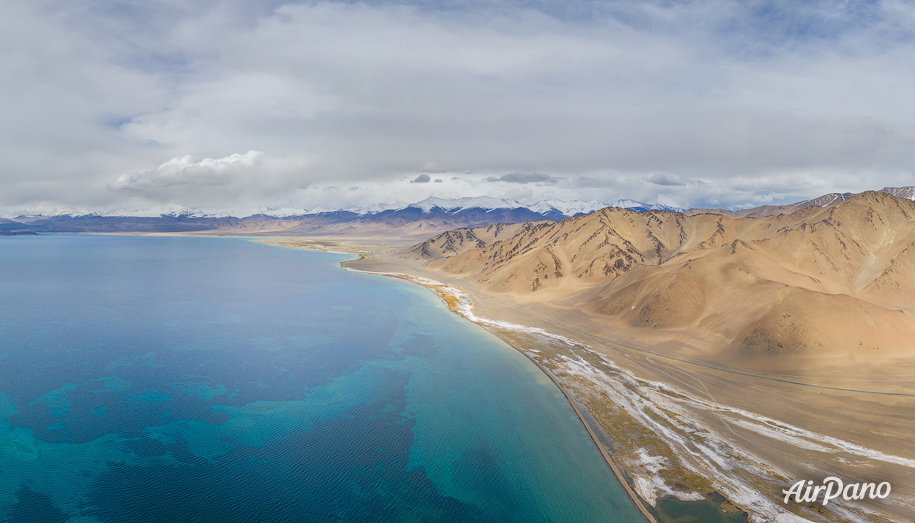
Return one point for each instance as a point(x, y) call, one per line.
point(459, 204)
point(281, 212)
point(174, 211)
point(551, 208)
point(374, 208)
point(421, 219)
point(450, 205)
point(644, 207)
point(198, 213)
point(567, 207)
point(907, 192)
point(49, 212)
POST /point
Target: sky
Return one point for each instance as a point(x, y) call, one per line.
point(247, 105)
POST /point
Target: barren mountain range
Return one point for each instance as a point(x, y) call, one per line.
point(820, 201)
point(403, 223)
point(418, 220)
point(826, 282)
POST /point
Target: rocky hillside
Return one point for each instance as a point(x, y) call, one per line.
point(907, 193)
point(458, 241)
point(821, 280)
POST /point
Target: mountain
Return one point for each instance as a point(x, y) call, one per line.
point(93, 222)
point(173, 211)
point(901, 192)
point(282, 212)
point(907, 193)
point(461, 240)
point(817, 284)
point(550, 209)
point(453, 205)
point(644, 207)
point(418, 220)
point(10, 225)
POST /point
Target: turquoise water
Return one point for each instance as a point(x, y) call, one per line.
point(156, 379)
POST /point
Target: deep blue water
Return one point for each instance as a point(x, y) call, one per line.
point(159, 379)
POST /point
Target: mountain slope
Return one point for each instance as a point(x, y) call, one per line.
point(907, 193)
point(819, 282)
point(458, 241)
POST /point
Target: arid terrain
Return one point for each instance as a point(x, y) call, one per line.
point(729, 355)
point(723, 356)
point(821, 288)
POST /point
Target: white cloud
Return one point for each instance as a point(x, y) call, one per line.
point(186, 169)
point(525, 178)
point(605, 97)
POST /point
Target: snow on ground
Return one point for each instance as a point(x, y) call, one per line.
point(700, 449)
point(650, 485)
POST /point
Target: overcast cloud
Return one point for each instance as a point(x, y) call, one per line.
point(236, 105)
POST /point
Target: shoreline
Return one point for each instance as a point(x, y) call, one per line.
point(663, 427)
point(614, 467)
point(608, 459)
point(656, 414)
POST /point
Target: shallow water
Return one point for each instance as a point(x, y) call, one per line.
point(709, 510)
point(209, 379)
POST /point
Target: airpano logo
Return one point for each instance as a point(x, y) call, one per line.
point(832, 487)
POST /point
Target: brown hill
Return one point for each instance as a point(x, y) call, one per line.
point(821, 282)
point(764, 211)
point(458, 241)
point(774, 210)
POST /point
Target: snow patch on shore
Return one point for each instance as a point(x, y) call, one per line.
point(700, 449)
point(707, 453)
point(650, 485)
point(465, 306)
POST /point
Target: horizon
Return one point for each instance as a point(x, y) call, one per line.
point(174, 210)
point(246, 105)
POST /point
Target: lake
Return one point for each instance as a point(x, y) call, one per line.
point(167, 379)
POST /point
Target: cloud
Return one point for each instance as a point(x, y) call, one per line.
point(665, 179)
point(524, 178)
point(422, 178)
point(185, 170)
point(792, 98)
point(590, 181)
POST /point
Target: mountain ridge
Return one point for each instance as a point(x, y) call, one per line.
point(812, 284)
point(905, 192)
point(418, 220)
